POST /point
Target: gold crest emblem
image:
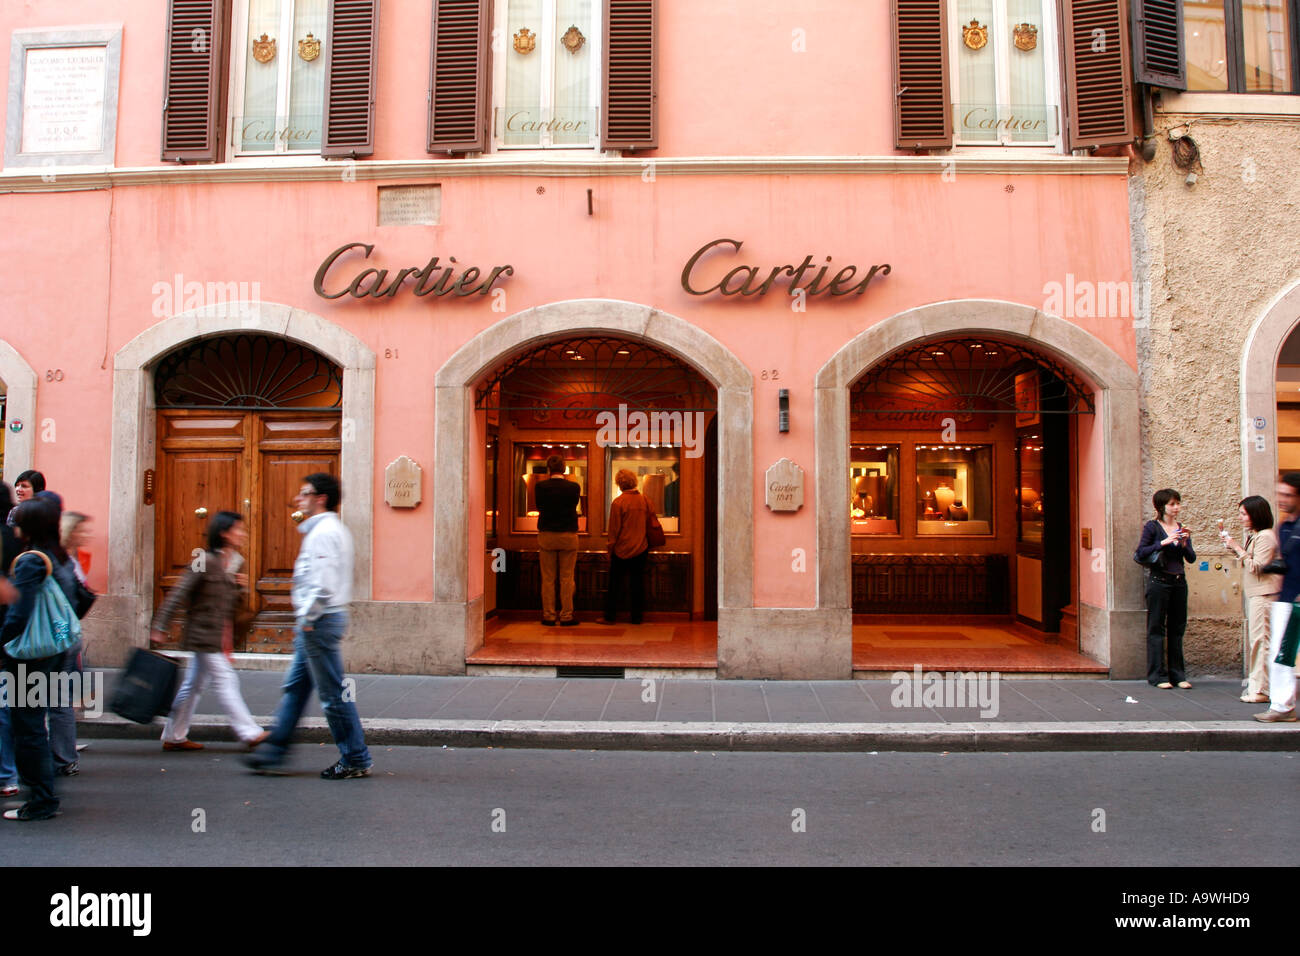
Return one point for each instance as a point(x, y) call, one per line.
point(309, 48)
point(1026, 35)
point(976, 36)
point(573, 40)
point(525, 41)
point(263, 50)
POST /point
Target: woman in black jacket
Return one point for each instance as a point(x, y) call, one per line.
point(37, 522)
point(1166, 589)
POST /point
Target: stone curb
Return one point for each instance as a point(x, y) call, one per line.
point(750, 737)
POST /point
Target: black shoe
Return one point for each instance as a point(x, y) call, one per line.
point(341, 771)
point(22, 813)
point(68, 770)
point(263, 766)
point(573, 623)
point(548, 624)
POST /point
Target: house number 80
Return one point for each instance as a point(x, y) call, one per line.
point(54, 375)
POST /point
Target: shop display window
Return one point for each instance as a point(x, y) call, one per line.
point(873, 488)
point(954, 489)
point(530, 468)
point(491, 475)
point(658, 472)
point(1029, 489)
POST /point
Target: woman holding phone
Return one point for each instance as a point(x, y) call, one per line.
point(1166, 590)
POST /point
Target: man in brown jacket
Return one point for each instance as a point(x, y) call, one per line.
point(628, 547)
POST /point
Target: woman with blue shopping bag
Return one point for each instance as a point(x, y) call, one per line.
point(38, 629)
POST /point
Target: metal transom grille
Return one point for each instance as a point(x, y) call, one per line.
point(244, 372)
point(596, 373)
point(962, 375)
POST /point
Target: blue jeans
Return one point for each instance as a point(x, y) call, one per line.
point(62, 720)
point(8, 769)
point(317, 662)
point(32, 743)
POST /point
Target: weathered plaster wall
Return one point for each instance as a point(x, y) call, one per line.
point(1215, 254)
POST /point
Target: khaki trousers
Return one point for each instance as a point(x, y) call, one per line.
point(559, 555)
point(1257, 644)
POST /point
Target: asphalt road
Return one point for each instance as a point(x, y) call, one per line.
point(135, 805)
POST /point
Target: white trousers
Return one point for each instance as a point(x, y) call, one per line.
point(212, 667)
point(1281, 679)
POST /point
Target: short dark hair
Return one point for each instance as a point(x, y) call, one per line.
point(38, 520)
point(1292, 478)
point(221, 522)
point(555, 465)
point(1259, 512)
point(33, 478)
point(328, 486)
point(1162, 498)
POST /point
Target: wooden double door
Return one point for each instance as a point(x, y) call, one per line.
point(252, 462)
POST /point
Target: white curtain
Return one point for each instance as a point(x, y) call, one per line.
point(307, 79)
point(255, 130)
point(1027, 98)
point(976, 75)
point(523, 99)
point(572, 90)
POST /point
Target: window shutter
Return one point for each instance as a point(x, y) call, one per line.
point(922, 114)
point(1098, 97)
point(194, 88)
point(458, 85)
point(631, 86)
point(1158, 56)
point(349, 124)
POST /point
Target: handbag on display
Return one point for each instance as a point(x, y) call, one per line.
point(147, 688)
point(654, 531)
point(52, 627)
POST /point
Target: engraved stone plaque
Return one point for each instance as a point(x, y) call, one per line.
point(410, 205)
point(402, 483)
point(784, 484)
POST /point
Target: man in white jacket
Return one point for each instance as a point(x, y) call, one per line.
point(322, 591)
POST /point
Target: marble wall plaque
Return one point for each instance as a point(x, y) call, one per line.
point(402, 480)
point(784, 486)
point(410, 205)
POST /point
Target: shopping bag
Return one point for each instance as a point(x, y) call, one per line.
point(1290, 639)
point(52, 627)
point(147, 688)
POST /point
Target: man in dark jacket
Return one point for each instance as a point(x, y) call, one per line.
point(557, 539)
point(1281, 679)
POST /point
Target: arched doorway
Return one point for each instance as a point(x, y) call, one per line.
point(240, 420)
point(17, 413)
point(459, 567)
point(1270, 381)
point(962, 484)
point(1109, 610)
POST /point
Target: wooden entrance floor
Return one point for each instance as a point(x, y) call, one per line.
point(675, 644)
point(939, 643)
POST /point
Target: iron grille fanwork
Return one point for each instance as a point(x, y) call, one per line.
point(247, 372)
point(964, 375)
point(596, 373)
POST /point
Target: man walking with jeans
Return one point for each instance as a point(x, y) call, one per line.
point(322, 590)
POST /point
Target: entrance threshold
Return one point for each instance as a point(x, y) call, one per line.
point(885, 645)
point(662, 643)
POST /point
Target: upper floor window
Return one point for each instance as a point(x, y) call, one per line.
point(1004, 72)
point(1240, 46)
point(278, 76)
point(547, 76)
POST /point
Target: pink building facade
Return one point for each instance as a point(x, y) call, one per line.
point(775, 146)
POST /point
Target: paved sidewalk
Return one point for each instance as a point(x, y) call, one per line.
point(605, 713)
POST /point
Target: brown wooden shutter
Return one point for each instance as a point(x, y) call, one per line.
point(349, 125)
point(458, 83)
point(628, 120)
point(1098, 96)
point(194, 84)
point(922, 113)
point(1158, 57)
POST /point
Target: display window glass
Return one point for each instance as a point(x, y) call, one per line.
point(954, 489)
point(873, 489)
point(530, 468)
point(658, 472)
point(1029, 488)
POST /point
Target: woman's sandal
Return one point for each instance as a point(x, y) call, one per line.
point(1165, 686)
point(1183, 685)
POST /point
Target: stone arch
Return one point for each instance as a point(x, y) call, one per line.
point(1117, 410)
point(1258, 387)
point(130, 560)
point(454, 409)
point(20, 390)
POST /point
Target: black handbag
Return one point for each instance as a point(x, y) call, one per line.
point(147, 687)
point(1152, 560)
point(85, 600)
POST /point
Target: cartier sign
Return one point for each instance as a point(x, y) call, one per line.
point(432, 278)
point(744, 279)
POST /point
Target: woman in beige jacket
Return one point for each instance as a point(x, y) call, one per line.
point(1260, 589)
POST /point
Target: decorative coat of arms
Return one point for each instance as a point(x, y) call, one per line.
point(976, 36)
point(525, 41)
point(264, 50)
point(573, 40)
point(309, 48)
point(1026, 35)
